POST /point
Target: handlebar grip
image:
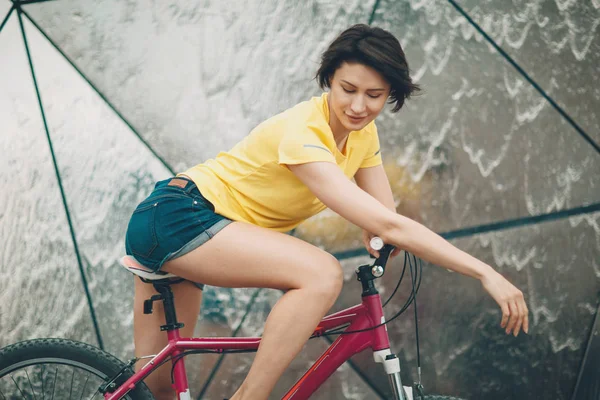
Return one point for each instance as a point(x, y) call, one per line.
point(376, 243)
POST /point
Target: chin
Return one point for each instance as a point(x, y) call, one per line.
point(353, 126)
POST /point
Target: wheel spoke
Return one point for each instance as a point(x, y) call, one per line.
point(71, 389)
point(13, 379)
point(92, 382)
point(54, 385)
point(95, 393)
point(83, 390)
point(34, 361)
point(42, 377)
point(32, 389)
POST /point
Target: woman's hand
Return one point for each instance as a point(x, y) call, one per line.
point(366, 238)
point(515, 315)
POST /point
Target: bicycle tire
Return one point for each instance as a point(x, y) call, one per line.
point(61, 353)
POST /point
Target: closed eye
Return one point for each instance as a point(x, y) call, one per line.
point(352, 91)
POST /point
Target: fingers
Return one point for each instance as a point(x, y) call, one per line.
point(505, 314)
point(526, 319)
point(519, 323)
point(524, 313)
point(513, 316)
point(367, 242)
point(518, 317)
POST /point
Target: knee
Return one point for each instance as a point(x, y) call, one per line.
point(329, 280)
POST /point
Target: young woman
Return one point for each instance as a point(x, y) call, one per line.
point(223, 222)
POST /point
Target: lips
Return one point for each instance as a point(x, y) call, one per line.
point(355, 119)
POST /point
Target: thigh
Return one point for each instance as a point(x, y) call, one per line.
point(148, 337)
point(245, 255)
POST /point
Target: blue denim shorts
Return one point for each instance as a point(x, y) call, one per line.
point(172, 221)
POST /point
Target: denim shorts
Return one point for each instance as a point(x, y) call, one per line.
point(172, 221)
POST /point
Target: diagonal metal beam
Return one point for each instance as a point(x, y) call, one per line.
point(217, 365)
point(5, 20)
point(494, 226)
point(520, 222)
point(102, 96)
point(372, 17)
point(366, 380)
point(25, 2)
point(60, 186)
point(533, 83)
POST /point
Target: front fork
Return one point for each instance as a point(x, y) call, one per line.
point(391, 364)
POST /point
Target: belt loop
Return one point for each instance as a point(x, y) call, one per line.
point(189, 187)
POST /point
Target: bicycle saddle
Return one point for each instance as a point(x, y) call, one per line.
point(133, 266)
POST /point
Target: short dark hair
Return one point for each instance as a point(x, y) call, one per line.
point(373, 47)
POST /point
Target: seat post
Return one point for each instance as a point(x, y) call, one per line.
point(169, 306)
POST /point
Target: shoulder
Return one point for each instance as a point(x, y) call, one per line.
point(299, 115)
point(304, 122)
point(309, 117)
point(309, 112)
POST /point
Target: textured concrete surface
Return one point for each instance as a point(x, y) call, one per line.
point(480, 145)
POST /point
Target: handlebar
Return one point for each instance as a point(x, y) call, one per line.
point(367, 273)
point(385, 250)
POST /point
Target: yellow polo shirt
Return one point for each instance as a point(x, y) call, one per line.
point(252, 183)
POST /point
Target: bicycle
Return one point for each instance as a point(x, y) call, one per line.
point(360, 327)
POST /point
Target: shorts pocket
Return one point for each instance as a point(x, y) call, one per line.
point(141, 232)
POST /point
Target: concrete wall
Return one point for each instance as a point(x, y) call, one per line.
point(480, 146)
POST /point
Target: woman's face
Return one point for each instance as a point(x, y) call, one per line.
point(358, 94)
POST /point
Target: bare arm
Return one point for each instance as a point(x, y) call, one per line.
point(337, 192)
point(374, 181)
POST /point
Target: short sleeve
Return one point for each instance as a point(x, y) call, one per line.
point(299, 146)
point(373, 156)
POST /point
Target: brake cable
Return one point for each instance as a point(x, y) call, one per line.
point(416, 274)
point(399, 280)
point(418, 385)
point(416, 284)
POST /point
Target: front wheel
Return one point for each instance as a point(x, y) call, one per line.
point(61, 369)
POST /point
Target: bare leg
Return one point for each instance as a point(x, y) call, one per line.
point(148, 337)
point(243, 255)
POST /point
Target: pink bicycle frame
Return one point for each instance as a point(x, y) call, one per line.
point(365, 315)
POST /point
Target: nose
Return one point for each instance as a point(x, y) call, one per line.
point(358, 105)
